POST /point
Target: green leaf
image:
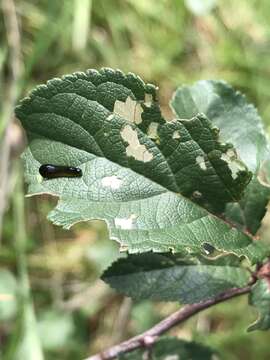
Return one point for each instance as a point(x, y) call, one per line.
point(164, 277)
point(134, 164)
point(172, 348)
point(250, 210)
point(239, 124)
point(260, 298)
point(205, 170)
point(238, 121)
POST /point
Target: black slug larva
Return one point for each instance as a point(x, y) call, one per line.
point(55, 171)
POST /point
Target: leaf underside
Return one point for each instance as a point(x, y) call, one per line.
point(152, 181)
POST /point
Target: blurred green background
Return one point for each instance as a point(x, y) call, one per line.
point(52, 305)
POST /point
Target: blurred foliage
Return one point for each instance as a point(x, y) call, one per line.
point(49, 277)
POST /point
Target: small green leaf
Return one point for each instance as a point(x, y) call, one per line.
point(260, 298)
point(164, 277)
point(136, 167)
point(172, 348)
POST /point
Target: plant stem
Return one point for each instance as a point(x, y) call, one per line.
point(12, 91)
point(15, 62)
point(150, 336)
point(28, 345)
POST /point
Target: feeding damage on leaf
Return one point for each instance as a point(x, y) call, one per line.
point(111, 181)
point(126, 223)
point(175, 176)
point(236, 166)
point(134, 148)
point(176, 134)
point(130, 110)
point(201, 162)
point(152, 130)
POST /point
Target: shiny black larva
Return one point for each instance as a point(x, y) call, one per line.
point(49, 171)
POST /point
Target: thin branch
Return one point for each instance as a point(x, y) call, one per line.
point(150, 336)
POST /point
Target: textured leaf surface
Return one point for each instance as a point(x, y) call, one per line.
point(169, 278)
point(260, 298)
point(250, 210)
point(238, 121)
point(134, 164)
point(205, 170)
point(239, 124)
point(170, 348)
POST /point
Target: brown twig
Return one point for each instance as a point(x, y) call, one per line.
point(147, 338)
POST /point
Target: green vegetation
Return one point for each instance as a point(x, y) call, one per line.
point(52, 304)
